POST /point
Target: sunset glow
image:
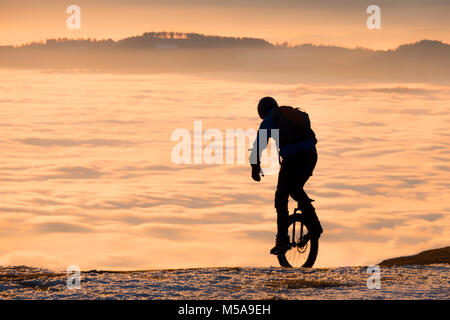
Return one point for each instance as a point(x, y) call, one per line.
point(86, 169)
point(341, 23)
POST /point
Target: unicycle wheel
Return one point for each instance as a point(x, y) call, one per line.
point(302, 252)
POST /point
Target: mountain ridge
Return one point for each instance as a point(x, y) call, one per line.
point(248, 59)
point(158, 40)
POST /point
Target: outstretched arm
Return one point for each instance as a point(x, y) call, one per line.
point(264, 131)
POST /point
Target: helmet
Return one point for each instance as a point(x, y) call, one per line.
point(264, 105)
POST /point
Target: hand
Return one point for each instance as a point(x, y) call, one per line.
point(256, 169)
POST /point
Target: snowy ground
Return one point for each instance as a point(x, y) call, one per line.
point(405, 282)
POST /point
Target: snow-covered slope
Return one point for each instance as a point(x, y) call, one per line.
point(397, 282)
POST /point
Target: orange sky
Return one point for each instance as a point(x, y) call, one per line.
point(88, 178)
point(341, 22)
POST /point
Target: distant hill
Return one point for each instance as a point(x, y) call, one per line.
point(434, 256)
point(169, 40)
point(423, 46)
point(172, 52)
point(154, 40)
point(188, 40)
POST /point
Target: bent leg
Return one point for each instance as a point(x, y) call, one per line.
point(297, 191)
point(301, 171)
point(281, 201)
point(281, 206)
point(309, 212)
point(301, 166)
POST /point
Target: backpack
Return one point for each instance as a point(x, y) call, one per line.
point(294, 125)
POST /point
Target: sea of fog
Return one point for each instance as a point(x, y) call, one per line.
point(87, 176)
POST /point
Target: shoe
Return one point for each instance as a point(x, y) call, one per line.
point(281, 245)
point(314, 227)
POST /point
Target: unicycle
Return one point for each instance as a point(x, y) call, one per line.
point(302, 250)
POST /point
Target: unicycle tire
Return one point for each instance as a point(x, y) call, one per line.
point(306, 260)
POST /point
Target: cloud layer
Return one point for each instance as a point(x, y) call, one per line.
point(88, 180)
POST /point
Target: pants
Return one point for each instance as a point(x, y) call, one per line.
point(294, 172)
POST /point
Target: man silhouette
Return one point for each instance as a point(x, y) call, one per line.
point(297, 148)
